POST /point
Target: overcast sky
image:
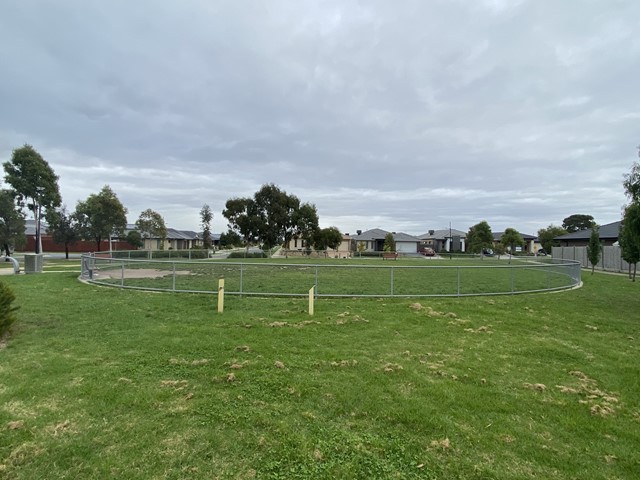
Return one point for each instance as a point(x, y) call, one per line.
point(400, 115)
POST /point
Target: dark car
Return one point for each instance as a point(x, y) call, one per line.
point(542, 252)
point(428, 252)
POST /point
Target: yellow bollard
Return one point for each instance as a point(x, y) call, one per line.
point(221, 295)
point(311, 299)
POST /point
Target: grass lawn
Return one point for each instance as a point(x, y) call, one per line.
point(99, 382)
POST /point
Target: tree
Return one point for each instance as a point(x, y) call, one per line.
point(594, 249)
point(63, 227)
point(630, 235)
point(230, 239)
point(629, 238)
point(100, 216)
point(34, 184)
point(510, 239)
point(150, 224)
point(480, 237)
point(134, 239)
point(389, 243)
point(327, 238)
point(12, 225)
point(242, 216)
point(632, 183)
point(361, 247)
point(206, 216)
point(271, 217)
point(577, 222)
point(547, 236)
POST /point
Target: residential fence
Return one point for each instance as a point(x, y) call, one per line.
point(345, 279)
point(610, 260)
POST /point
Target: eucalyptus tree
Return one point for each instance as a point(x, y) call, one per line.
point(12, 225)
point(100, 216)
point(34, 185)
point(151, 225)
point(63, 227)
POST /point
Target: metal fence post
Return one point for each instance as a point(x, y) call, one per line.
point(316, 284)
point(241, 276)
point(122, 275)
point(458, 269)
point(392, 281)
point(173, 286)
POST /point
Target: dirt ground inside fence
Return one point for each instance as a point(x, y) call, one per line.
point(140, 273)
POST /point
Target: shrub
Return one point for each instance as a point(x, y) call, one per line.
point(7, 312)
point(246, 255)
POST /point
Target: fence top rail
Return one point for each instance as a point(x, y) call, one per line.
point(522, 263)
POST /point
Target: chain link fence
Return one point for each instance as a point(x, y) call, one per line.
point(346, 279)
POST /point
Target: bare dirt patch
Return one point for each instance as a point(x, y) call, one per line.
point(140, 273)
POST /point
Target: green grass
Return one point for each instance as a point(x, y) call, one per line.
point(106, 383)
point(343, 277)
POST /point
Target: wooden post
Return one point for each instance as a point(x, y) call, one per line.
point(311, 299)
point(221, 295)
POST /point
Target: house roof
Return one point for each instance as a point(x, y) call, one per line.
point(379, 234)
point(497, 236)
point(442, 234)
point(608, 231)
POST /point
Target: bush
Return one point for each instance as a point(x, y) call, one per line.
point(7, 315)
point(246, 255)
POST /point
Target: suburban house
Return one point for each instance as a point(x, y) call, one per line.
point(176, 240)
point(609, 234)
point(373, 241)
point(531, 244)
point(344, 250)
point(445, 240)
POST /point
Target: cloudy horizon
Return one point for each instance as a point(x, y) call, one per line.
point(405, 116)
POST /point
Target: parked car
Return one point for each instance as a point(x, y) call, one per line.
point(428, 252)
point(542, 252)
point(487, 252)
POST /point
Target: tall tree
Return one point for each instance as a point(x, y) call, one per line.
point(271, 217)
point(151, 225)
point(101, 216)
point(480, 237)
point(134, 239)
point(206, 216)
point(547, 236)
point(34, 184)
point(243, 220)
point(629, 238)
point(594, 248)
point(305, 223)
point(12, 225)
point(577, 222)
point(510, 239)
point(63, 227)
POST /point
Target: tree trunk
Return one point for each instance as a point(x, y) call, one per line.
point(635, 266)
point(66, 250)
point(98, 242)
point(593, 268)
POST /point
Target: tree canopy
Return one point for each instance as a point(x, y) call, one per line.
point(12, 225)
point(510, 239)
point(101, 215)
point(577, 222)
point(327, 238)
point(34, 184)
point(480, 237)
point(63, 227)
point(632, 183)
point(150, 224)
point(389, 243)
point(630, 239)
point(271, 217)
point(206, 216)
point(547, 235)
